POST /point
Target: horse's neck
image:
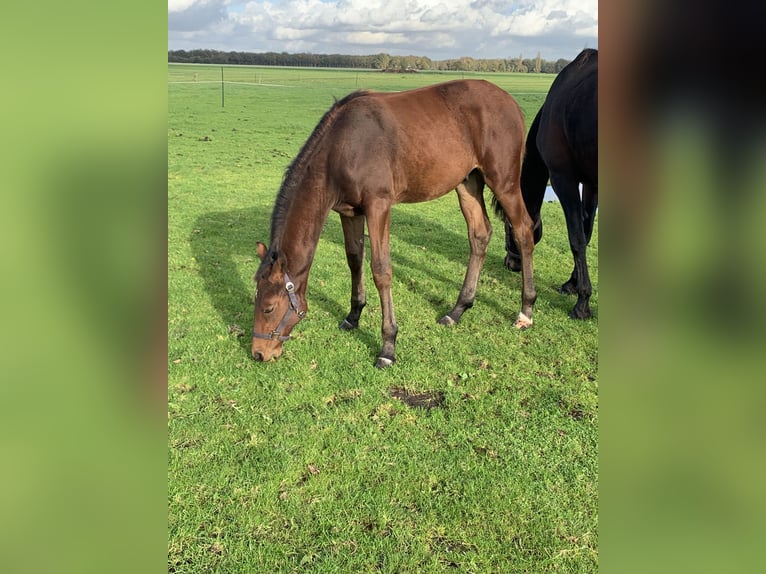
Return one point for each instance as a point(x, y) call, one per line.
point(302, 227)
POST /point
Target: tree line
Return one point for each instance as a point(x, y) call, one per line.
point(374, 62)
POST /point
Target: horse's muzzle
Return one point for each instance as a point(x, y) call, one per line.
point(266, 355)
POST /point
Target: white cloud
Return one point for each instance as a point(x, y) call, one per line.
point(435, 28)
point(180, 5)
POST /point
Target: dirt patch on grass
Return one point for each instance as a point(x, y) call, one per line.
point(418, 399)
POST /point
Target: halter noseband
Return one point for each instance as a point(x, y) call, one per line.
point(276, 334)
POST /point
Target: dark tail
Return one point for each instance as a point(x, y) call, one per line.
point(534, 174)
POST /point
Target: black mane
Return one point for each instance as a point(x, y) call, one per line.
point(294, 172)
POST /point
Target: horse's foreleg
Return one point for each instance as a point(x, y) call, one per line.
point(378, 225)
point(353, 235)
point(523, 234)
point(469, 194)
point(569, 195)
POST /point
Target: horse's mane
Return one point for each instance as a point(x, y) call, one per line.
point(294, 172)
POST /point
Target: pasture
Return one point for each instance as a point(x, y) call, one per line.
point(476, 452)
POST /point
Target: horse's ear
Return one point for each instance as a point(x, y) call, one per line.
point(262, 250)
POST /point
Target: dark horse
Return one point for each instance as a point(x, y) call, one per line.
point(369, 152)
point(563, 145)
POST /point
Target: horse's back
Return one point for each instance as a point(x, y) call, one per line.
point(422, 143)
point(465, 109)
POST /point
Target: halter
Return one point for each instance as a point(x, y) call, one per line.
point(276, 334)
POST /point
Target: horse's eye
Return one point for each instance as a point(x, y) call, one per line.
point(267, 311)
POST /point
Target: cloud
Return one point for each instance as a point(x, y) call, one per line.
point(195, 15)
point(179, 5)
point(438, 29)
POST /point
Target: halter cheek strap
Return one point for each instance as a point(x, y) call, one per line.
point(276, 334)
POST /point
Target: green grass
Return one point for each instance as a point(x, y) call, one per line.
point(309, 464)
point(317, 87)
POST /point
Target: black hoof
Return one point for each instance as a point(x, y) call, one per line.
point(447, 320)
point(580, 314)
point(347, 325)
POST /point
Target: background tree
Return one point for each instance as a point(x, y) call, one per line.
point(380, 61)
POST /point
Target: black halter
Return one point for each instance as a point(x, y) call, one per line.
point(276, 334)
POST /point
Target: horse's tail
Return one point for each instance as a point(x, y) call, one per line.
point(534, 174)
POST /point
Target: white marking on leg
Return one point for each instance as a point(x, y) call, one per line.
point(523, 322)
point(384, 362)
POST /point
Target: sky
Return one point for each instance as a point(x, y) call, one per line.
point(437, 29)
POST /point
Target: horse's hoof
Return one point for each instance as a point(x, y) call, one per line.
point(384, 362)
point(346, 325)
point(575, 314)
point(447, 320)
point(523, 322)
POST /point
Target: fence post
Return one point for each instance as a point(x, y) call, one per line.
point(222, 96)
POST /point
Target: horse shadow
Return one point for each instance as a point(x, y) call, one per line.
point(502, 293)
point(223, 244)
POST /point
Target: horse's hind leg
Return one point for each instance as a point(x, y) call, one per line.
point(569, 194)
point(512, 259)
point(589, 206)
point(522, 227)
point(353, 235)
point(471, 197)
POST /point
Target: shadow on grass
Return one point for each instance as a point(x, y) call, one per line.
point(223, 243)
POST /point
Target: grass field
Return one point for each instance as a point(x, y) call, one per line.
point(314, 463)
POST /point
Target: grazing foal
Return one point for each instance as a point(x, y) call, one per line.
point(369, 152)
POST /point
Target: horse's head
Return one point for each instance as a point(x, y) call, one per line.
point(278, 308)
